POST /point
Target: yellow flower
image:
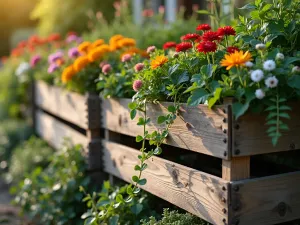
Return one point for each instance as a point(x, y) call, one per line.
point(115, 38)
point(126, 42)
point(158, 61)
point(80, 63)
point(98, 43)
point(95, 54)
point(238, 58)
point(84, 46)
point(67, 74)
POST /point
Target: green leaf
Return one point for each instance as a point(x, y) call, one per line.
point(198, 96)
point(86, 215)
point(217, 95)
point(270, 108)
point(90, 221)
point(139, 138)
point(132, 105)
point(137, 168)
point(294, 82)
point(205, 12)
point(272, 129)
point(132, 114)
point(271, 115)
point(172, 109)
point(144, 166)
point(208, 70)
point(141, 121)
point(136, 208)
point(142, 181)
point(284, 115)
point(114, 220)
point(283, 127)
point(135, 179)
point(129, 190)
point(157, 151)
point(285, 107)
point(290, 60)
point(119, 198)
point(239, 109)
point(161, 119)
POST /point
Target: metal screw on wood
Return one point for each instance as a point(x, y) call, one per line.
point(237, 152)
point(224, 211)
point(224, 220)
point(237, 126)
point(223, 199)
point(225, 153)
point(282, 208)
point(225, 140)
point(224, 120)
point(224, 188)
point(224, 131)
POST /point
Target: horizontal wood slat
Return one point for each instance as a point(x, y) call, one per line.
point(54, 132)
point(69, 106)
point(197, 192)
point(197, 128)
point(266, 201)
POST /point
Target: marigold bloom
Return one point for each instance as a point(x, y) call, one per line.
point(67, 74)
point(184, 46)
point(115, 38)
point(191, 37)
point(169, 44)
point(137, 85)
point(158, 61)
point(80, 63)
point(227, 31)
point(236, 59)
point(83, 47)
point(211, 36)
point(126, 42)
point(207, 46)
point(203, 27)
point(95, 54)
point(232, 49)
point(97, 43)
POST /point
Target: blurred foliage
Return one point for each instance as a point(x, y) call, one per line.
point(27, 156)
point(63, 16)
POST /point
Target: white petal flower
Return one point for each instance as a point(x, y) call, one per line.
point(296, 69)
point(249, 64)
point(279, 56)
point(22, 68)
point(257, 75)
point(260, 94)
point(271, 82)
point(260, 47)
point(269, 65)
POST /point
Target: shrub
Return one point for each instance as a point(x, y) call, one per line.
point(52, 195)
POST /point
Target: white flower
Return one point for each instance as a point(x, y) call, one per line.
point(260, 47)
point(22, 68)
point(269, 65)
point(271, 82)
point(249, 64)
point(296, 69)
point(206, 102)
point(257, 75)
point(279, 56)
point(260, 94)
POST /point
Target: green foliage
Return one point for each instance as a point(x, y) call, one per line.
point(106, 206)
point(52, 195)
point(175, 218)
point(28, 155)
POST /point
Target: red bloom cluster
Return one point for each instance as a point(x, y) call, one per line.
point(184, 46)
point(170, 44)
point(203, 27)
point(211, 36)
point(232, 49)
point(226, 31)
point(207, 46)
point(191, 37)
point(54, 37)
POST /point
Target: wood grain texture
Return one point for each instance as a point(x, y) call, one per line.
point(266, 201)
point(197, 192)
point(54, 131)
point(236, 168)
point(197, 128)
point(69, 106)
point(250, 137)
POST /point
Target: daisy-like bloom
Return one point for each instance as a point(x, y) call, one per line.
point(249, 64)
point(279, 56)
point(232, 49)
point(271, 82)
point(269, 65)
point(35, 60)
point(226, 31)
point(211, 36)
point(236, 59)
point(52, 68)
point(137, 84)
point(126, 58)
point(203, 27)
point(260, 46)
point(67, 74)
point(151, 49)
point(158, 61)
point(83, 47)
point(73, 53)
point(207, 46)
point(106, 69)
point(169, 44)
point(257, 75)
point(184, 46)
point(260, 94)
point(190, 37)
point(296, 69)
point(138, 67)
point(80, 63)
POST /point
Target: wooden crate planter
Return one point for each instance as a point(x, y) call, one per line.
point(233, 199)
point(57, 113)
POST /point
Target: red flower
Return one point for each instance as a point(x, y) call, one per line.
point(54, 37)
point(169, 44)
point(184, 46)
point(227, 30)
point(211, 36)
point(207, 46)
point(232, 49)
point(203, 27)
point(190, 37)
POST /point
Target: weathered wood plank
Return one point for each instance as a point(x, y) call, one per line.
point(236, 168)
point(197, 192)
point(69, 106)
point(197, 128)
point(250, 137)
point(266, 201)
point(54, 132)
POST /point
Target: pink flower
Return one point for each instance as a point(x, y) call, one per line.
point(138, 67)
point(151, 49)
point(161, 9)
point(102, 64)
point(126, 58)
point(137, 84)
point(106, 69)
point(35, 60)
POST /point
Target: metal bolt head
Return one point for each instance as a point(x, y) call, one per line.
point(236, 188)
point(224, 131)
point(224, 211)
point(237, 152)
point(225, 140)
point(224, 188)
point(223, 199)
point(225, 153)
point(224, 120)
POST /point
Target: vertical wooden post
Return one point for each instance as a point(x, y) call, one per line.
point(137, 11)
point(171, 9)
point(33, 104)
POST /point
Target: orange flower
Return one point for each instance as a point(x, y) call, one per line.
point(83, 47)
point(80, 63)
point(97, 43)
point(67, 74)
point(115, 38)
point(238, 58)
point(95, 54)
point(126, 42)
point(158, 61)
